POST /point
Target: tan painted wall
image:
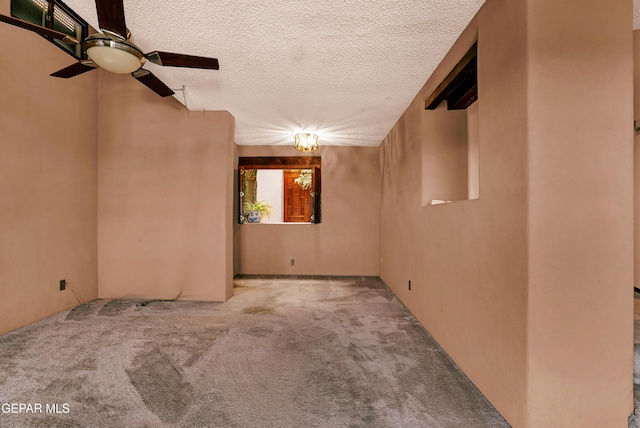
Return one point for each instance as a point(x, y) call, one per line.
point(345, 243)
point(473, 134)
point(236, 225)
point(48, 183)
point(445, 159)
point(467, 259)
point(528, 287)
point(166, 202)
point(636, 109)
point(580, 145)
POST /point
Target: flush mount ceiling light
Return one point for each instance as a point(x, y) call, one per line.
point(121, 57)
point(306, 142)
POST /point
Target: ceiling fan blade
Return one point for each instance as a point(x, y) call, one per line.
point(111, 17)
point(179, 60)
point(39, 29)
point(75, 69)
point(148, 79)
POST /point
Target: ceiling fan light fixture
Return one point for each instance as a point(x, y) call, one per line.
point(305, 142)
point(113, 56)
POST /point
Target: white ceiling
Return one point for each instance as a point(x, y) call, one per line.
point(345, 69)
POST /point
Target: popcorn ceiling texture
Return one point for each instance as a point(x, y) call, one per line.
point(345, 69)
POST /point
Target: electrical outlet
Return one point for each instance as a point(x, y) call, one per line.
point(409, 285)
point(292, 262)
point(63, 284)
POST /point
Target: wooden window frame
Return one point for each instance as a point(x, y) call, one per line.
point(460, 87)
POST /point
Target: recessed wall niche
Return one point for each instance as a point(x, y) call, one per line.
point(450, 155)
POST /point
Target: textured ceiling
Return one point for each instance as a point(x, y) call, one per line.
point(345, 69)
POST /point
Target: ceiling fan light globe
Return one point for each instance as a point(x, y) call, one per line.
point(114, 60)
point(117, 57)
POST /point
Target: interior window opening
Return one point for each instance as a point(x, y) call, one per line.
point(279, 190)
point(450, 152)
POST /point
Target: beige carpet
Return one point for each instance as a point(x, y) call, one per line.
point(330, 352)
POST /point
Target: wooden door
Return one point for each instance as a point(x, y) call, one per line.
point(297, 201)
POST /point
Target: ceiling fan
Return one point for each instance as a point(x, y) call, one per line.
point(112, 50)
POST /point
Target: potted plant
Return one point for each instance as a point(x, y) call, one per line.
point(304, 180)
point(256, 211)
